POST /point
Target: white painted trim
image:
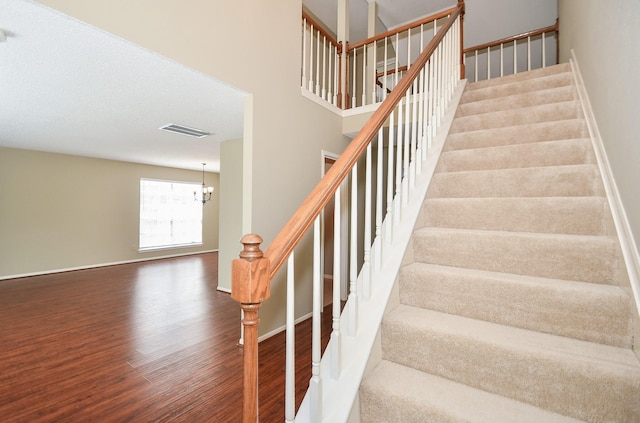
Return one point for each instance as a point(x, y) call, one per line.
point(225, 290)
point(318, 100)
point(620, 220)
point(98, 265)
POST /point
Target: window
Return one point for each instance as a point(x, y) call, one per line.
point(169, 216)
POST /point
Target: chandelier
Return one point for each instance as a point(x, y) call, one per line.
point(206, 191)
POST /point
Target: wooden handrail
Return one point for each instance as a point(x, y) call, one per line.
point(532, 33)
point(295, 228)
point(252, 272)
point(403, 28)
point(322, 31)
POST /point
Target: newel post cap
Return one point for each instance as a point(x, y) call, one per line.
point(250, 273)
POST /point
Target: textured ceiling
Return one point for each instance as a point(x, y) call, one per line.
point(67, 87)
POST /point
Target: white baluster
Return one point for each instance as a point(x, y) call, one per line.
point(421, 138)
point(352, 323)
point(310, 88)
point(353, 89)
point(515, 57)
point(407, 150)
point(399, 146)
point(501, 59)
point(377, 253)
point(364, 74)
point(304, 53)
point(324, 68)
point(318, 63)
point(315, 384)
point(384, 78)
point(366, 265)
point(290, 374)
point(336, 338)
point(374, 66)
point(389, 215)
point(544, 55)
point(529, 53)
point(488, 62)
point(414, 135)
point(330, 76)
point(476, 67)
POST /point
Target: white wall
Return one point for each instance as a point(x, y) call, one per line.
point(254, 46)
point(489, 20)
point(604, 37)
point(61, 212)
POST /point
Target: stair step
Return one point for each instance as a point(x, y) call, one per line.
point(545, 153)
point(521, 76)
point(557, 215)
point(574, 378)
point(394, 393)
point(518, 134)
point(569, 257)
point(528, 99)
point(522, 116)
point(579, 310)
point(498, 88)
point(550, 181)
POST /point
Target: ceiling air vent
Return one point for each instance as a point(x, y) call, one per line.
point(185, 130)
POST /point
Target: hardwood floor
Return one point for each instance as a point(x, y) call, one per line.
point(144, 342)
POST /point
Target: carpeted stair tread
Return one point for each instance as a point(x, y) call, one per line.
point(518, 134)
point(579, 310)
point(559, 215)
point(554, 181)
point(520, 116)
point(393, 393)
point(544, 153)
point(562, 68)
point(501, 88)
point(585, 258)
point(528, 99)
point(585, 380)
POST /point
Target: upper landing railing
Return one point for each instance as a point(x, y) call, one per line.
point(530, 50)
point(399, 135)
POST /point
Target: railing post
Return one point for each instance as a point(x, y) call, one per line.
point(250, 287)
point(462, 69)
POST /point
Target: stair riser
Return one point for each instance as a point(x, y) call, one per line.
point(590, 313)
point(515, 87)
point(535, 98)
point(549, 153)
point(571, 181)
point(524, 116)
point(557, 215)
point(549, 381)
point(546, 131)
point(587, 259)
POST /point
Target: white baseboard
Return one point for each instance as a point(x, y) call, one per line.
point(620, 220)
point(94, 266)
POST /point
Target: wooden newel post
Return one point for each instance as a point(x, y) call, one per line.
point(250, 287)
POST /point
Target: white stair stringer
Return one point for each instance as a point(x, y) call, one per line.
point(509, 306)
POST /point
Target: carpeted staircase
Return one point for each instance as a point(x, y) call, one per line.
point(509, 309)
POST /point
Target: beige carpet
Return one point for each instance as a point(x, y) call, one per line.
point(510, 310)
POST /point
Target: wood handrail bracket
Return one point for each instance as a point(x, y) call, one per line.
point(253, 271)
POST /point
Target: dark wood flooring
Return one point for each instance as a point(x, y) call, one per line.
point(144, 342)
